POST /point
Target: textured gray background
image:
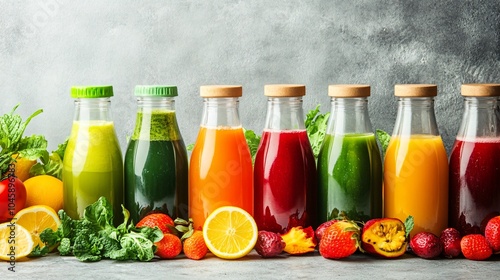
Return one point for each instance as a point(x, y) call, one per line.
point(46, 46)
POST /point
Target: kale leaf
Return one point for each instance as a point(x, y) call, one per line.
point(94, 237)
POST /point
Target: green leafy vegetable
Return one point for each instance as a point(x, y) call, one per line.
point(50, 164)
point(94, 237)
point(384, 138)
point(409, 225)
point(316, 124)
point(39, 252)
point(190, 147)
point(12, 141)
point(253, 141)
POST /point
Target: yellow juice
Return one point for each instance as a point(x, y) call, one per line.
point(93, 167)
point(416, 182)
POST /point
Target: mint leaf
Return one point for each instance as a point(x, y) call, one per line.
point(409, 225)
point(253, 141)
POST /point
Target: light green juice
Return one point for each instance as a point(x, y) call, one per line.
point(93, 167)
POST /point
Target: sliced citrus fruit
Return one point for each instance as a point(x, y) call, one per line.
point(230, 232)
point(36, 219)
point(15, 242)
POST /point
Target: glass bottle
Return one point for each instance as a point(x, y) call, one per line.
point(156, 164)
point(349, 162)
point(220, 171)
point(475, 161)
point(285, 168)
point(416, 164)
point(93, 165)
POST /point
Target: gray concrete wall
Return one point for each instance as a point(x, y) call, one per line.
point(46, 46)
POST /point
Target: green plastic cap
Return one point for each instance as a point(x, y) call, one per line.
point(160, 91)
point(91, 91)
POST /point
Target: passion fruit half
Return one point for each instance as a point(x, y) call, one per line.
point(385, 237)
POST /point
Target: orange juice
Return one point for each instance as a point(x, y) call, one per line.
point(416, 182)
point(220, 173)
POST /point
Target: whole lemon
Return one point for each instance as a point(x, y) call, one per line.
point(44, 190)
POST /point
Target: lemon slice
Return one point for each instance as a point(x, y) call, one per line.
point(230, 232)
point(36, 219)
point(15, 242)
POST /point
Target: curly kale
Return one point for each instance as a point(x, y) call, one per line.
point(94, 237)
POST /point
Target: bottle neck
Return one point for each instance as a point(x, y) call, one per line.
point(220, 112)
point(416, 116)
point(349, 115)
point(481, 118)
point(92, 109)
point(156, 120)
point(284, 113)
point(148, 104)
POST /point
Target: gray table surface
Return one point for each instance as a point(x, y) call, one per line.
point(311, 266)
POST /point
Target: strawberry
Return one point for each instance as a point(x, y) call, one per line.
point(450, 240)
point(169, 246)
point(269, 244)
point(160, 220)
point(426, 245)
point(492, 233)
point(475, 247)
point(194, 246)
point(340, 240)
point(321, 229)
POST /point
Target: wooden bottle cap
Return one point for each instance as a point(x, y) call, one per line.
point(349, 90)
point(481, 90)
point(221, 91)
point(415, 90)
point(284, 90)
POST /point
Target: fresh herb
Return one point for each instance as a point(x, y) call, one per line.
point(384, 138)
point(253, 141)
point(94, 237)
point(50, 164)
point(13, 143)
point(316, 124)
point(409, 225)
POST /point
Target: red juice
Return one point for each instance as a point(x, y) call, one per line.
point(474, 183)
point(284, 181)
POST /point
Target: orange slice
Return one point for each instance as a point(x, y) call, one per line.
point(230, 232)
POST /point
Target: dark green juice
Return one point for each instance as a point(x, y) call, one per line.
point(156, 167)
point(350, 178)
